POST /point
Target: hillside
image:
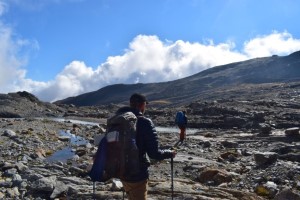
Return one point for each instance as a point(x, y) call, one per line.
point(243, 126)
point(24, 104)
point(255, 71)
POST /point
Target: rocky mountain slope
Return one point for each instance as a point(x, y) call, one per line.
point(243, 139)
point(24, 104)
point(242, 147)
point(255, 71)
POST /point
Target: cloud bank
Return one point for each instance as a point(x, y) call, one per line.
point(147, 59)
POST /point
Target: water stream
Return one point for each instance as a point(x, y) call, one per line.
point(159, 129)
point(67, 153)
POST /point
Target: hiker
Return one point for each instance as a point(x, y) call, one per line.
point(181, 122)
point(147, 143)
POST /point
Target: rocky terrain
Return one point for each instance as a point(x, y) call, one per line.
point(243, 143)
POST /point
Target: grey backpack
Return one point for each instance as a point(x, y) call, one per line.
point(122, 154)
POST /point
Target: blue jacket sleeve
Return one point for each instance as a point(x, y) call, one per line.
point(149, 138)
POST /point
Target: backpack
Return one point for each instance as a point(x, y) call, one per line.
point(117, 155)
point(179, 119)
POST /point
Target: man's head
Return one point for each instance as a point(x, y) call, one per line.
point(138, 101)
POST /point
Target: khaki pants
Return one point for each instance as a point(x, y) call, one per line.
point(136, 191)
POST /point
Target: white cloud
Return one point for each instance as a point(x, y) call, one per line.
point(10, 63)
point(273, 44)
point(76, 78)
point(3, 7)
point(147, 59)
point(14, 54)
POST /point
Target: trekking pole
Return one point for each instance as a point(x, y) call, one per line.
point(94, 190)
point(172, 185)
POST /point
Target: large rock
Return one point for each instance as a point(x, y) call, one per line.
point(21, 167)
point(10, 133)
point(6, 184)
point(45, 184)
point(294, 157)
point(268, 189)
point(231, 156)
point(265, 158)
point(229, 144)
point(16, 180)
point(292, 131)
point(13, 193)
point(264, 129)
point(60, 189)
point(287, 194)
point(116, 185)
point(215, 176)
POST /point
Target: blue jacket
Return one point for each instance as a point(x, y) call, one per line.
point(147, 143)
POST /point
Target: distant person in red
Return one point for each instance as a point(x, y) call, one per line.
point(181, 122)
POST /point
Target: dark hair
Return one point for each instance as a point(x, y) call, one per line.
point(136, 99)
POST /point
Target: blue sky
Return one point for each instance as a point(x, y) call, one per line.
point(61, 48)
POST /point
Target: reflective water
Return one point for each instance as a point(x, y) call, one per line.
point(159, 129)
point(67, 152)
point(61, 155)
point(74, 139)
point(74, 121)
point(162, 129)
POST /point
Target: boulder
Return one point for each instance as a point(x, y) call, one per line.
point(287, 194)
point(13, 193)
point(264, 129)
point(229, 144)
point(294, 157)
point(231, 156)
point(292, 131)
point(206, 144)
point(10, 133)
point(76, 171)
point(60, 189)
point(216, 176)
point(81, 152)
point(16, 180)
point(6, 184)
point(268, 189)
point(116, 185)
point(45, 184)
point(265, 158)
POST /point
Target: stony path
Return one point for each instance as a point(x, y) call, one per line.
point(209, 165)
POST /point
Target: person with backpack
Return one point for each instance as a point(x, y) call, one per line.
point(147, 144)
point(181, 122)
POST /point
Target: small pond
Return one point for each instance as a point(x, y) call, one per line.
point(67, 152)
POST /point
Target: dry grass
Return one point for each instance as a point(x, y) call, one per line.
point(164, 102)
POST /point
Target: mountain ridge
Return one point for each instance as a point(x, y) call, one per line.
point(254, 71)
